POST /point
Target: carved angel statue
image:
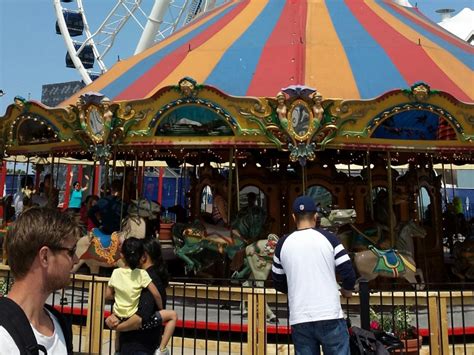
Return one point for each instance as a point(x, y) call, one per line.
point(282, 110)
point(317, 109)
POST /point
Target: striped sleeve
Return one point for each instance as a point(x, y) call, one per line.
point(342, 261)
point(278, 272)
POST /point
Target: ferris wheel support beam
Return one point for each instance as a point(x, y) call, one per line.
point(69, 43)
point(153, 24)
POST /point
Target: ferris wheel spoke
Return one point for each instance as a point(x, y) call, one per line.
point(91, 49)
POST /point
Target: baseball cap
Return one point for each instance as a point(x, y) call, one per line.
point(304, 204)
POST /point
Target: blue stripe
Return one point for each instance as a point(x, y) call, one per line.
point(373, 70)
point(122, 82)
point(235, 70)
point(463, 56)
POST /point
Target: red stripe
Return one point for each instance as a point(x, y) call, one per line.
point(409, 58)
point(148, 81)
point(271, 329)
point(440, 32)
point(282, 62)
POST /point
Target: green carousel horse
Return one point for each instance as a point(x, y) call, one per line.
point(192, 240)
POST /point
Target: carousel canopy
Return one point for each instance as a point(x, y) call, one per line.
point(352, 49)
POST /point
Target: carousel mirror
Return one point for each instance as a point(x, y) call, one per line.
point(252, 196)
point(322, 196)
point(425, 213)
point(206, 200)
point(95, 121)
point(34, 131)
point(300, 118)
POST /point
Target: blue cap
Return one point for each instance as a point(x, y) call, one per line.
point(304, 204)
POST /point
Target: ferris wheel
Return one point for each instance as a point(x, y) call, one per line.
point(90, 36)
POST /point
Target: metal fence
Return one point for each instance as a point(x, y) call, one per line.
point(220, 317)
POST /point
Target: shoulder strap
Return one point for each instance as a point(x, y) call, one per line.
point(18, 326)
point(65, 326)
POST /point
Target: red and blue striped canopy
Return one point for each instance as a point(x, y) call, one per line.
point(352, 49)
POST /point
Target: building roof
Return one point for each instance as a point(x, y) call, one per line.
point(351, 49)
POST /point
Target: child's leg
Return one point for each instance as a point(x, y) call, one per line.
point(169, 317)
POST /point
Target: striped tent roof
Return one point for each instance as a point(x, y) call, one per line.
point(353, 49)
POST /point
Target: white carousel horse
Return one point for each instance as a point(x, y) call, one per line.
point(97, 249)
point(393, 263)
point(258, 263)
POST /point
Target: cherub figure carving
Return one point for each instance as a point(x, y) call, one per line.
point(107, 116)
point(282, 110)
point(317, 109)
point(126, 113)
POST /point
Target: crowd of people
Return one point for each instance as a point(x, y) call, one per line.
point(41, 249)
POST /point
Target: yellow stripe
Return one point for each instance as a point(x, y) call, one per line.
point(121, 67)
point(203, 59)
point(460, 74)
point(327, 67)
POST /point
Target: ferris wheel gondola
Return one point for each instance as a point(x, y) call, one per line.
point(89, 43)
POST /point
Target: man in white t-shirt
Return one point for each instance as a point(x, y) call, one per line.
point(41, 249)
point(305, 264)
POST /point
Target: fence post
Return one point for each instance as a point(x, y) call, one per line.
point(256, 324)
point(364, 298)
point(95, 316)
point(251, 319)
point(443, 309)
point(433, 316)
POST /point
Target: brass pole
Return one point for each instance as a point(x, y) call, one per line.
point(229, 184)
point(371, 196)
point(390, 198)
point(237, 182)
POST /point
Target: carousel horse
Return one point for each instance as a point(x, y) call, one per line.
point(97, 249)
point(192, 239)
point(463, 252)
point(393, 263)
point(257, 266)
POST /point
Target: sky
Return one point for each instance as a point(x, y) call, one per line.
point(32, 54)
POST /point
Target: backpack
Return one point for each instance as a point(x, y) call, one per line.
point(16, 323)
point(364, 342)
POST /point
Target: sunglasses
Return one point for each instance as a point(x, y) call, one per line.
point(70, 251)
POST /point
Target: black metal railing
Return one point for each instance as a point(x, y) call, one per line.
point(221, 317)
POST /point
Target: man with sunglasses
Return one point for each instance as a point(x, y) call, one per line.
point(41, 250)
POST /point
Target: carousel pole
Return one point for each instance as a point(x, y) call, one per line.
point(51, 169)
point(237, 182)
point(160, 184)
point(123, 192)
point(142, 180)
point(114, 164)
point(14, 176)
point(136, 176)
point(369, 177)
point(444, 187)
point(229, 184)
point(303, 178)
point(3, 178)
point(452, 180)
point(390, 198)
point(57, 173)
point(67, 190)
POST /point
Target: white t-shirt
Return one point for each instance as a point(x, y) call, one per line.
point(55, 344)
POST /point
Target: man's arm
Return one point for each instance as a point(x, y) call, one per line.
point(109, 293)
point(278, 273)
point(343, 264)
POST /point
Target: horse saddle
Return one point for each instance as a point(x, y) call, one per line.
point(103, 247)
point(388, 261)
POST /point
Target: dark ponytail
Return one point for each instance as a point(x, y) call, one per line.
point(132, 250)
point(153, 249)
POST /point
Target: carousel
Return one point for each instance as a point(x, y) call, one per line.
point(365, 106)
